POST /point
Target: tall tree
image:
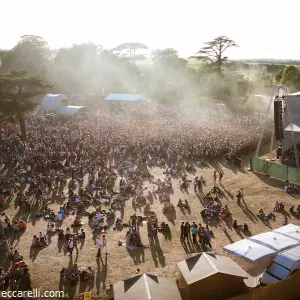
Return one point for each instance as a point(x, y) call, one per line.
point(129, 50)
point(213, 51)
point(31, 53)
point(18, 93)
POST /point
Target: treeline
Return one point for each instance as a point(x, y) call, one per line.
point(89, 68)
point(31, 68)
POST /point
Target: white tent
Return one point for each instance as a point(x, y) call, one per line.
point(273, 240)
point(249, 250)
point(54, 101)
point(290, 230)
point(68, 110)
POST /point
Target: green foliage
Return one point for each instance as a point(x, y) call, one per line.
point(87, 68)
point(291, 77)
point(213, 51)
point(31, 53)
point(17, 96)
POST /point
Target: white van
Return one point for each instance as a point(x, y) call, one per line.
point(283, 266)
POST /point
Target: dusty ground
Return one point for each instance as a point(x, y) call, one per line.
point(259, 192)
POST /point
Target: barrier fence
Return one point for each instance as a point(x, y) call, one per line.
point(275, 170)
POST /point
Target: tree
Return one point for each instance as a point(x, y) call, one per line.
point(17, 96)
point(291, 77)
point(129, 50)
point(213, 52)
point(31, 53)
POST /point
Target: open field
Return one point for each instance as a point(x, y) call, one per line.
point(259, 191)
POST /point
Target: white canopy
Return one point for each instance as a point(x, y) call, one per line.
point(273, 240)
point(68, 110)
point(249, 250)
point(290, 230)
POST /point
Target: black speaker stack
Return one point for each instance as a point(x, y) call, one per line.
point(278, 119)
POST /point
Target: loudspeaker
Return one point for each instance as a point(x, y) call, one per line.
point(279, 152)
point(237, 161)
point(278, 120)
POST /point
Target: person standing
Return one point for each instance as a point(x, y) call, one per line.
point(104, 244)
point(16, 231)
point(188, 227)
point(185, 231)
point(194, 233)
point(195, 183)
point(220, 176)
point(215, 177)
point(98, 243)
point(71, 246)
point(182, 230)
point(75, 244)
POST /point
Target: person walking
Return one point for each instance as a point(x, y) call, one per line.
point(98, 243)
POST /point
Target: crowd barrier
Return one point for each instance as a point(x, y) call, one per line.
point(275, 170)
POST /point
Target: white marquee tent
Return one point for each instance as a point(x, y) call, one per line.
point(266, 244)
point(249, 250)
point(273, 240)
point(289, 230)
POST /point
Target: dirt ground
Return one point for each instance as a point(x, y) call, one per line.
point(259, 192)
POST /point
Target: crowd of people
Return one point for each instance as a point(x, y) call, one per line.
point(60, 153)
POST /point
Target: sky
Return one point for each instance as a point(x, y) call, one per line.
point(261, 28)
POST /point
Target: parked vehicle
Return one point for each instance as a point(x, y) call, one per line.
point(284, 265)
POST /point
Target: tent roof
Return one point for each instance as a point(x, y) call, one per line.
point(288, 257)
point(290, 230)
point(203, 265)
point(294, 94)
point(68, 110)
point(146, 287)
point(296, 128)
point(249, 250)
point(55, 96)
point(125, 97)
point(273, 240)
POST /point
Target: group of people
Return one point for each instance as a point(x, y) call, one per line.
point(102, 146)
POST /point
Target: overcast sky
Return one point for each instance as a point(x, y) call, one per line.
point(262, 28)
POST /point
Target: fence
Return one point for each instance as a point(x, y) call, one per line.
point(275, 170)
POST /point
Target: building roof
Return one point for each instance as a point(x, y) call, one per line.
point(203, 265)
point(249, 250)
point(68, 110)
point(146, 287)
point(125, 97)
point(273, 240)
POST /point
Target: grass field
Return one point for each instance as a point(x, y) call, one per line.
point(259, 191)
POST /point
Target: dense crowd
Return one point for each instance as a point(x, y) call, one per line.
point(103, 145)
